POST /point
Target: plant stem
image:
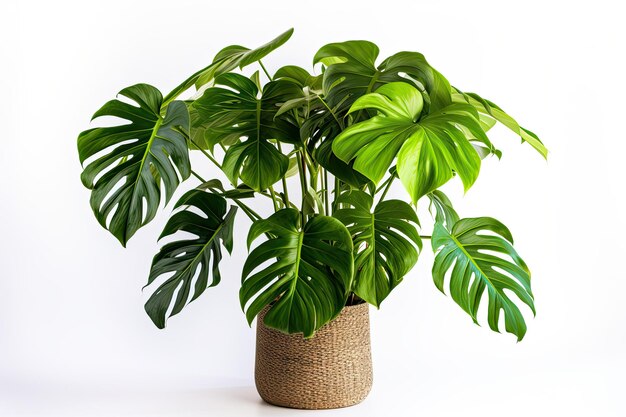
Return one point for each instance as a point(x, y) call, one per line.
point(284, 181)
point(208, 155)
point(249, 212)
point(195, 174)
point(265, 70)
point(326, 194)
point(274, 198)
point(336, 192)
point(426, 237)
point(386, 190)
point(331, 112)
point(302, 175)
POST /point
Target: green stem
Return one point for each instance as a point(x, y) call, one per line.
point(195, 174)
point(254, 216)
point(265, 70)
point(302, 176)
point(331, 112)
point(326, 195)
point(426, 237)
point(284, 181)
point(208, 155)
point(386, 190)
point(336, 194)
point(274, 198)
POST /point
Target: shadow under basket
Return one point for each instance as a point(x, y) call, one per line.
point(333, 369)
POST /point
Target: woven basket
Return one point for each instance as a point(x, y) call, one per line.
point(331, 370)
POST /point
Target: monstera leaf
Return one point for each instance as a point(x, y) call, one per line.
point(138, 156)
point(491, 110)
point(477, 261)
point(429, 149)
point(385, 243)
point(199, 255)
point(352, 72)
point(232, 111)
point(309, 274)
point(132, 159)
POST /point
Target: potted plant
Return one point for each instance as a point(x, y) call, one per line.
point(324, 150)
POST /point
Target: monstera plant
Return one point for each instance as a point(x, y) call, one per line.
point(323, 150)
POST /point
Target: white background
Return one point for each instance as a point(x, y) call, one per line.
point(74, 339)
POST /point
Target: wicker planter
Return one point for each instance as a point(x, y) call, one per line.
point(331, 370)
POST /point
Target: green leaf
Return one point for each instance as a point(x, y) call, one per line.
point(215, 186)
point(352, 73)
point(198, 256)
point(232, 111)
point(490, 109)
point(227, 60)
point(132, 159)
point(429, 149)
point(318, 131)
point(386, 243)
point(478, 261)
point(445, 213)
point(300, 76)
point(308, 276)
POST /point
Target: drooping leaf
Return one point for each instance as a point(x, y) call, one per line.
point(352, 73)
point(479, 262)
point(429, 149)
point(445, 213)
point(490, 109)
point(232, 111)
point(227, 60)
point(131, 160)
point(308, 276)
point(385, 240)
point(186, 258)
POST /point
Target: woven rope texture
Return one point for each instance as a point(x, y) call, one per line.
point(331, 370)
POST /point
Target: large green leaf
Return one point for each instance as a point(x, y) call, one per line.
point(479, 255)
point(131, 160)
point(491, 110)
point(232, 111)
point(430, 149)
point(385, 240)
point(305, 272)
point(352, 72)
point(198, 256)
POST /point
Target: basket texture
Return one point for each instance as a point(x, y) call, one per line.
point(331, 370)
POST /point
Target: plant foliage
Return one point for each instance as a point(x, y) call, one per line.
point(345, 134)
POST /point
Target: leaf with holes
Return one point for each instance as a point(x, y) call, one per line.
point(386, 243)
point(478, 261)
point(131, 160)
point(232, 111)
point(352, 72)
point(308, 276)
point(187, 258)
